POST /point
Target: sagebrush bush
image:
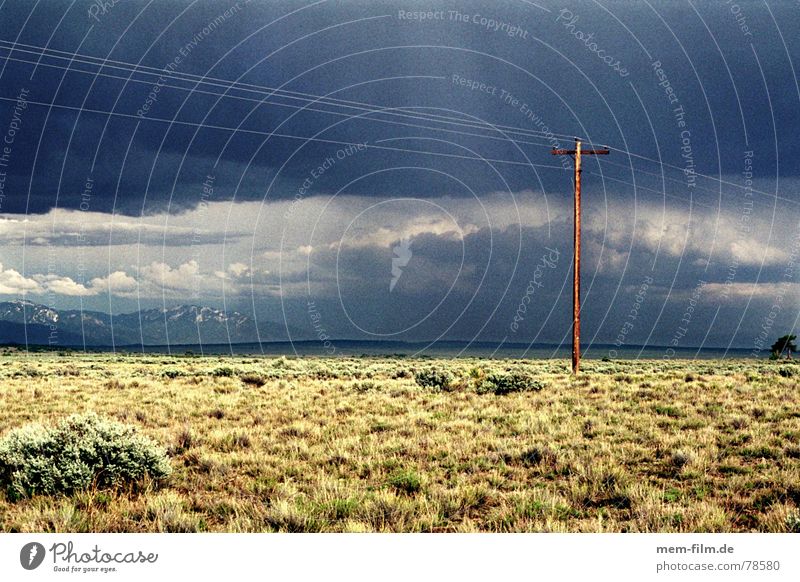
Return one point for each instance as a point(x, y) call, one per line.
point(365, 386)
point(405, 481)
point(680, 459)
point(434, 379)
point(79, 452)
point(253, 379)
point(508, 383)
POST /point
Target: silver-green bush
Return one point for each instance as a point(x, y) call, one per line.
point(508, 383)
point(434, 379)
point(79, 452)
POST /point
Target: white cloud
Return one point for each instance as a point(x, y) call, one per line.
point(241, 278)
point(14, 283)
point(187, 261)
point(65, 286)
point(778, 292)
point(74, 228)
point(386, 236)
point(161, 275)
point(718, 235)
point(238, 269)
point(116, 282)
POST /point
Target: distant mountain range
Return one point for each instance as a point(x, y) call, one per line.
point(24, 322)
point(186, 326)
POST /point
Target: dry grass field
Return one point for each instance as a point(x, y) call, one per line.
point(356, 444)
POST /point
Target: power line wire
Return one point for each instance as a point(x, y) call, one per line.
point(322, 100)
point(279, 135)
point(304, 107)
point(272, 91)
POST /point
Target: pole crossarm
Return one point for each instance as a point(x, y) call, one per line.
point(576, 271)
point(583, 152)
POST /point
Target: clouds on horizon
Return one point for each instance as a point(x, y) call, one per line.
point(466, 256)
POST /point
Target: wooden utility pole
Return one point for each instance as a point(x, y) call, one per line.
point(576, 240)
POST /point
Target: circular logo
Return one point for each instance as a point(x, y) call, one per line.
point(31, 555)
point(406, 263)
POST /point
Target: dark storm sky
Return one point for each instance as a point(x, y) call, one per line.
point(125, 185)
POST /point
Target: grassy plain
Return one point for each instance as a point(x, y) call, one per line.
point(355, 444)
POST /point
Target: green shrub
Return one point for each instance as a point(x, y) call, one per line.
point(184, 441)
point(666, 410)
point(365, 386)
point(223, 372)
point(508, 383)
point(405, 481)
point(79, 452)
point(539, 456)
point(434, 379)
point(232, 442)
point(253, 379)
point(680, 459)
point(29, 372)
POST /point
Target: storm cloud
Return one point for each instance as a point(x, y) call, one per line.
point(394, 169)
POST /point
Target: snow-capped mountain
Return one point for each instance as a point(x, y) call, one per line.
point(22, 311)
point(25, 321)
